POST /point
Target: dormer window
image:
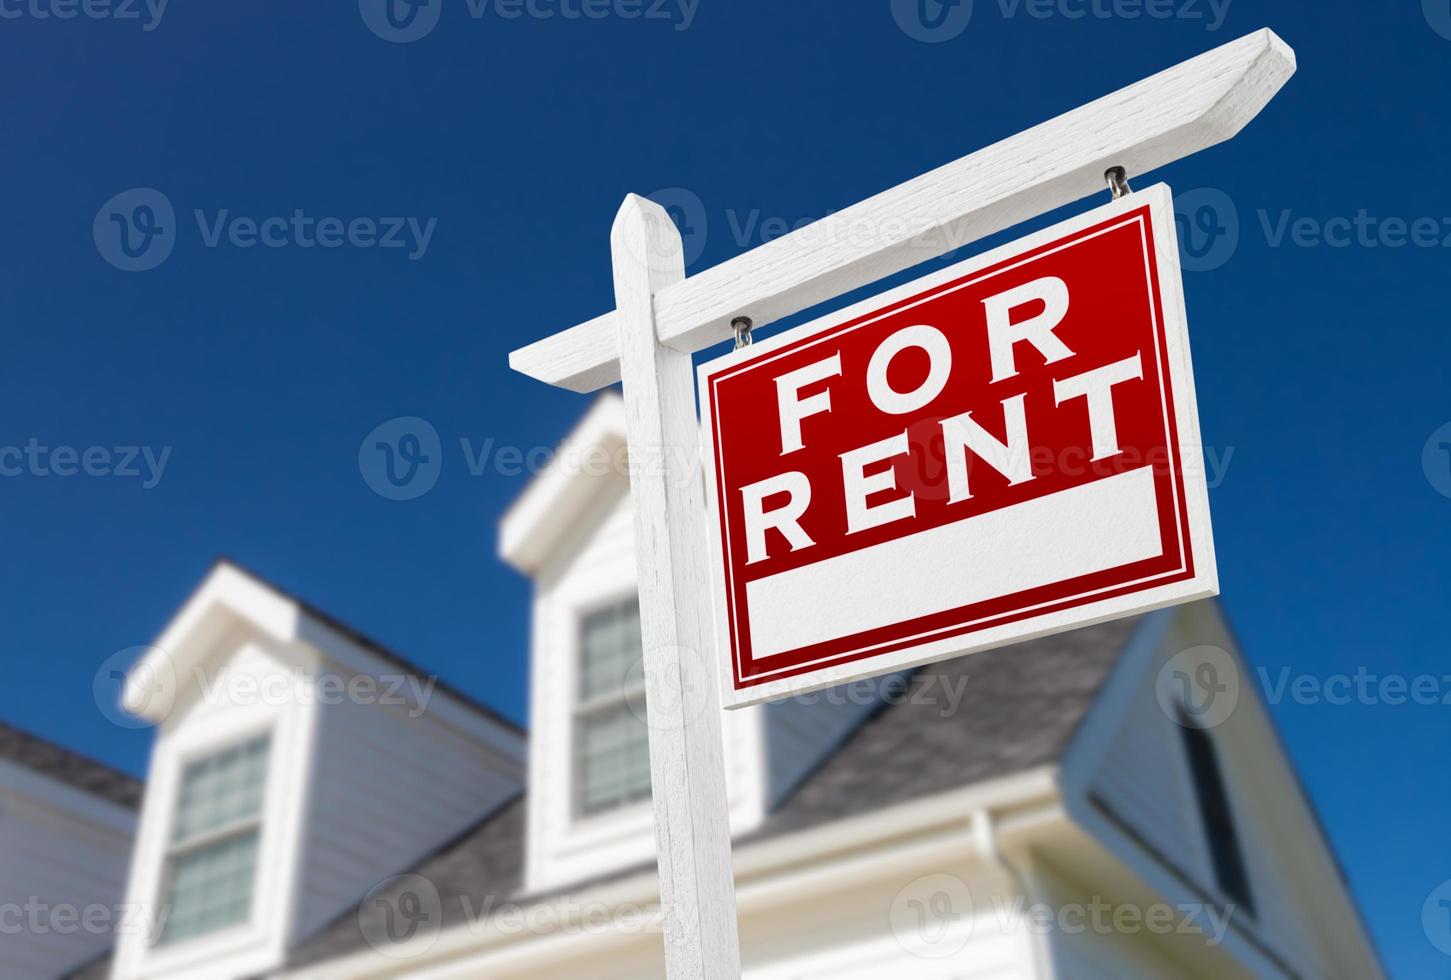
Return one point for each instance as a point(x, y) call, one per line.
point(211, 862)
point(1216, 815)
point(612, 749)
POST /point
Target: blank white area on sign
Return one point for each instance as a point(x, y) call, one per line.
point(1078, 531)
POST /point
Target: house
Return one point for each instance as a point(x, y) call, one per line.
point(1060, 808)
point(66, 826)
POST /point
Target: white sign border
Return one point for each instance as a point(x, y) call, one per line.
point(1205, 580)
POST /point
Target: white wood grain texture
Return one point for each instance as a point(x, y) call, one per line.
point(687, 763)
point(1163, 118)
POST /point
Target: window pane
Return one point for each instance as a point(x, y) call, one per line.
point(222, 789)
point(211, 887)
point(610, 650)
point(614, 759)
point(211, 883)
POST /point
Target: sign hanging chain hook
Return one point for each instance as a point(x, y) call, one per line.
point(1118, 182)
point(742, 326)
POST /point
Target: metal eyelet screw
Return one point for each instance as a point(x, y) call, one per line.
point(742, 326)
point(1118, 182)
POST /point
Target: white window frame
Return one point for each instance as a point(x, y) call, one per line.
point(237, 828)
point(582, 710)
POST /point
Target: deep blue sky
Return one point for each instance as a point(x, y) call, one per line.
point(1323, 369)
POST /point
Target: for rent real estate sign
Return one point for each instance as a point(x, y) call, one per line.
point(1004, 449)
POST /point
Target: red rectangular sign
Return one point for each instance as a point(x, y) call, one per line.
point(1003, 449)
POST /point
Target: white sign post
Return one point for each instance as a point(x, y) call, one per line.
point(662, 317)
point(687, 771)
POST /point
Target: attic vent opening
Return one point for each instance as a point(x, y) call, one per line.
point(1216, 815)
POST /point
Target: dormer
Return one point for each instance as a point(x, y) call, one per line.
point(276, 729)
point(589, 810)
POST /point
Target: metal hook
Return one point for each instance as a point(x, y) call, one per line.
point(742, 326)
point(1118, 182)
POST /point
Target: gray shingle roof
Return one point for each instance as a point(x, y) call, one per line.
point(97, 969)
point(71, 768)
point(485, 864)
point(1019, 708)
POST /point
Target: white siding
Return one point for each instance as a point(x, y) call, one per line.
point(1087, 951)
point(63, 858)
point(387, 789)
point(855, 942)
point(1144, 781)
